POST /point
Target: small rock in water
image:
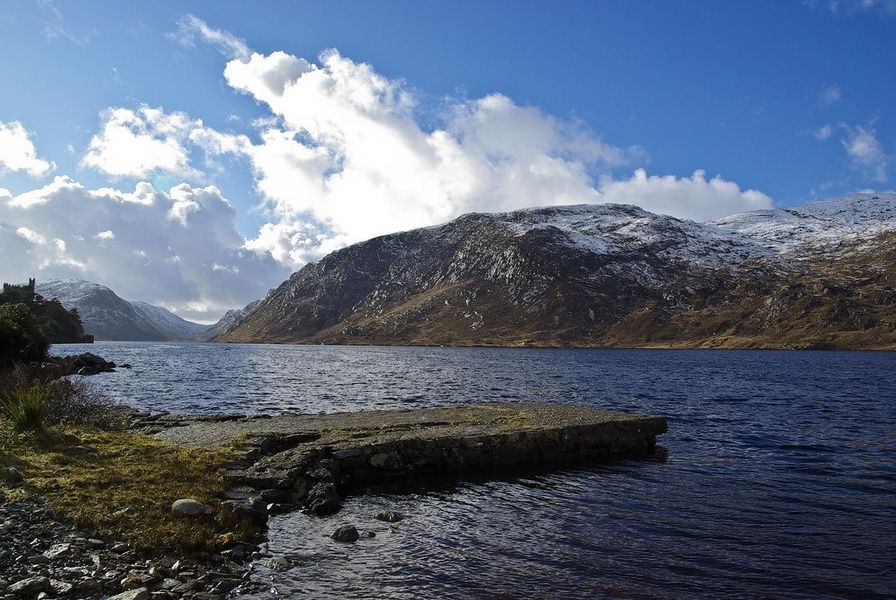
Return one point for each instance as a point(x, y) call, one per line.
point(279, 564)
point(187, 507)
point(390, 516)
point(346, 533)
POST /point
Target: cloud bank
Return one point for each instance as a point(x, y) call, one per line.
point(177, 248)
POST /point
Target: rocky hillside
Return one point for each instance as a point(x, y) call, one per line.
point(109, 317)
point(821, 275)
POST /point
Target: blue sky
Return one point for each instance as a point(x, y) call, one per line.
point(793, 100)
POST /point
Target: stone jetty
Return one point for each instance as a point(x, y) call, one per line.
point(306, 461)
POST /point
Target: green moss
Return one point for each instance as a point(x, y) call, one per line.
point(122, 484)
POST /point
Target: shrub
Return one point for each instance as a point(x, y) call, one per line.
point(76, 402)
point(25, 408)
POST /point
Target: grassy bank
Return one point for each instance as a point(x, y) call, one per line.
point(115, 483)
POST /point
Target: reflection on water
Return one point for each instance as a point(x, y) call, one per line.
point(780, 479)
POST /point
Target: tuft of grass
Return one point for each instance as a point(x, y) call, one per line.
point(25, 409)
point(65, 401)
point(123, 484)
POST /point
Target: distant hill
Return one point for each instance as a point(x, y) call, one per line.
point(821, 275)
point(109, 317)
point(230, 320)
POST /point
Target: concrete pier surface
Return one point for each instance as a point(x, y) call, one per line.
point(310, 461)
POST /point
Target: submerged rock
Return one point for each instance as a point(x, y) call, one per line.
point(346, 533)
point(390, 516)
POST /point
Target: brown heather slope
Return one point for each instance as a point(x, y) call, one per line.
point(842, 302)
point(474, 282)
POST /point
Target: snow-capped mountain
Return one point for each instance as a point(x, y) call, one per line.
point(820, 226)
point(109, 317)
point(818, 275)
point(165, 321)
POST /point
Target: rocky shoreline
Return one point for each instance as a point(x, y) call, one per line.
point(44, 557)
point(301, 462)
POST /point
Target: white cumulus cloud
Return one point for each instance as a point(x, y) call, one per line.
point(17, 152)
point(344, 154)
point(137, 143)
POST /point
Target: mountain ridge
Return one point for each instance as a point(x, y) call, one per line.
point(603, 275)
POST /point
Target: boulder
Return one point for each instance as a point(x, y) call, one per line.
point(61, 588)
point(187, 507)
point(300, 488)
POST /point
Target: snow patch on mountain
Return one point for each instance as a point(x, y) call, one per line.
point(612, 229)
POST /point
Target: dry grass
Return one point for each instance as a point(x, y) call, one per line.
point(122, 484)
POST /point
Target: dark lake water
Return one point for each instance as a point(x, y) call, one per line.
point(780, 477)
